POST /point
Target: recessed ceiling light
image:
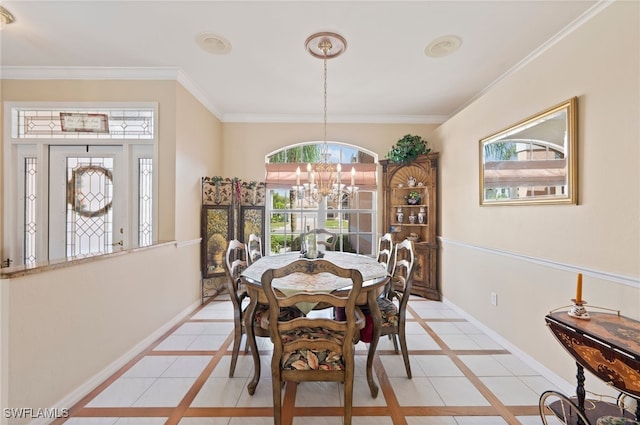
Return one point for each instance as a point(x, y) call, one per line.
point(213, 43)
point(443, 46)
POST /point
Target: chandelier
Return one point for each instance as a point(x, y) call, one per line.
point(324, 178)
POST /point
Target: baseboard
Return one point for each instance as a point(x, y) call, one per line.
point(84, 389)
point(563, 385)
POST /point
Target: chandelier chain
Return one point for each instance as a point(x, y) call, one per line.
point(325, 177)
point(325, 103)
point(325, 46)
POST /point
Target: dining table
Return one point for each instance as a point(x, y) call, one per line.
point(375, 276)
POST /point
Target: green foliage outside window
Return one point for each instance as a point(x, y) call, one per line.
point(304, 153)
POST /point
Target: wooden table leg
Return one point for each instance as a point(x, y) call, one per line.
point(580, 391)
point(377, 323)
point(249, 314)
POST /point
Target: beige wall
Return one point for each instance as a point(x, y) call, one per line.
point(198, 154)
point(68, 325)
point(530, 255)
point(61, 328)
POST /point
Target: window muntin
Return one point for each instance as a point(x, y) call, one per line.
point(352, 218)
point(89, 222)
point(30, 210)
point(145, 201)
point(44, 123)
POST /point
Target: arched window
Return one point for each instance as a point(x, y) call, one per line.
point(291, 212)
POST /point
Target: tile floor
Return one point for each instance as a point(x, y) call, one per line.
point(460, 377)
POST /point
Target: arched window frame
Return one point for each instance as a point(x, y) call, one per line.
point(354, 219)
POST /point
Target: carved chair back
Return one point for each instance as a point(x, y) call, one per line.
point(313, 348)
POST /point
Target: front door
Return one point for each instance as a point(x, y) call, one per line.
point(86, 200)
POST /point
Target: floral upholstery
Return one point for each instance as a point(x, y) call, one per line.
point(261, 317)
point(309, 359)
point(389, 312)
point(616, 420)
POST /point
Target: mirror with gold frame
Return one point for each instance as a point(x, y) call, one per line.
point(533, 161)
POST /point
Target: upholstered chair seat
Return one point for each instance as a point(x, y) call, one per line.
point(389, 311)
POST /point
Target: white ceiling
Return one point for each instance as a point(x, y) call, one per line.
point(384, 75)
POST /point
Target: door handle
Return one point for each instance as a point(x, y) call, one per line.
point(121, 243)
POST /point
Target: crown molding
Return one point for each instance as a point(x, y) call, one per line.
point(175, 73)
point(337, 119)
point(199, 95)
point(87, 73)
point(570, 28)
point(108, 73)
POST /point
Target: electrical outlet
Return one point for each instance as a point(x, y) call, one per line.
point(494, 299)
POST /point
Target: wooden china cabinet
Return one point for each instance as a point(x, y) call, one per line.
point(416, 220)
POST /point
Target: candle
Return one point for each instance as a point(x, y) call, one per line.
point(579, 289)
point(353, 176)
point(298, 176)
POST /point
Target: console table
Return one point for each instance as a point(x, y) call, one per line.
point(607, 345)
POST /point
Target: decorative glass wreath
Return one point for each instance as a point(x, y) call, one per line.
point(75, 195)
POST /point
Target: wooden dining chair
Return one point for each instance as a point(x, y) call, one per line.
point(254, 248)
point(325, 238)
point(235, 263)
point(393, 305)
point(385, 251)
point(313, 348)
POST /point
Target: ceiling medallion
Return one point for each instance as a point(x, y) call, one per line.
point(317, 45)
point(443, 46)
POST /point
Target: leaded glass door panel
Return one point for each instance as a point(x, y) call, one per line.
point(86, 200)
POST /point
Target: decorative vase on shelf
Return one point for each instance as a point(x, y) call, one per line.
point(399, 215)
point(412, 218)
point(422, 216)
point(411, 181)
